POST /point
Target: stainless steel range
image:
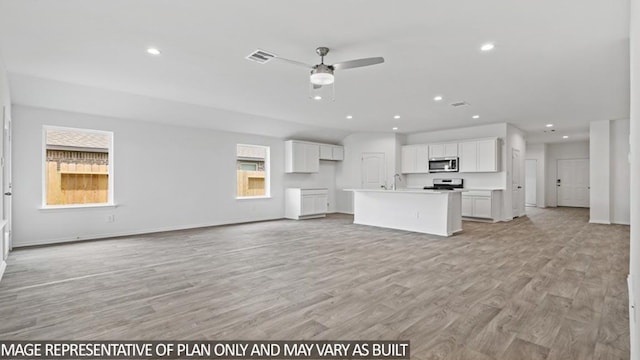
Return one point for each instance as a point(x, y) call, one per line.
point(446, 184)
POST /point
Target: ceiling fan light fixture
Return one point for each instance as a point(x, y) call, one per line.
point(322, 79)
point(322, 75)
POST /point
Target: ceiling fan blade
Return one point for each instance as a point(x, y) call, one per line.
point(294, 62)
point(358, 63)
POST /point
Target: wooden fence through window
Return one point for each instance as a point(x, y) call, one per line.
point(250, 183)
point(72, 183)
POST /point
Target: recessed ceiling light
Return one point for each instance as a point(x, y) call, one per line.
point(394, 128)
point(565, 137)
point(349, 116)
point(549, 125)
point(153, 51)
point(476, 117)
point(317, 97)
point(487, 47)
point(396, 116)
point(437, 98)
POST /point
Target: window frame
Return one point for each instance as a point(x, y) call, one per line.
point(111, 190)
point(267, 173)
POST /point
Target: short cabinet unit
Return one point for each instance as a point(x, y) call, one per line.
point(306, 203)
point(443, 150)
point(482, 204)
point(415, 159)
point(331, 152)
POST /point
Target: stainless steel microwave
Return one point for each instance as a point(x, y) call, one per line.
point(443, 164)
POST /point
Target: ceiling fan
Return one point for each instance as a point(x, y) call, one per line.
point(321, 74)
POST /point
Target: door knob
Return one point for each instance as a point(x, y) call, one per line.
point(8, 193)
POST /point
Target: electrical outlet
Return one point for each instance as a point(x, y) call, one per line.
point(111, 218)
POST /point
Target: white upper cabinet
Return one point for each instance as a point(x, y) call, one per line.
point(487, 155)
point(304, 156)
point(301, 157)
point(451, 150)
point(331, 152)
point(478, 155)
point(415, 159)
point(337, 152)
point(468, 151)
point(436, 150)
point(443, 150)
point(326, 152)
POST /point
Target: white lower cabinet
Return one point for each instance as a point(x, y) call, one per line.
point(483, 204)
point(305, 203)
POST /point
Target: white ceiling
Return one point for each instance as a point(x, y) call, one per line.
point(562, 62)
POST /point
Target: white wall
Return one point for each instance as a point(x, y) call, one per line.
point(166, 177)
point(5, 101)
point(620, 169)
point(348, 172)
point(609, 180)
point(538, 152)
point(514, 141)
point(559, 151)
point(600, 171)
point(635, 180)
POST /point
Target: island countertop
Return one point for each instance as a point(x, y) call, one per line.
point(409, 191)
point(437, 212)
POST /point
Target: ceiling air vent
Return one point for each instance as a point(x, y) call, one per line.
point(459, 104)
point(260, 56)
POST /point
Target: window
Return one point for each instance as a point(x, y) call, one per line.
point(252, 171)
point(77, 167)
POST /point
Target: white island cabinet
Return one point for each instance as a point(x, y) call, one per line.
point(425, 211)
point(305, 203)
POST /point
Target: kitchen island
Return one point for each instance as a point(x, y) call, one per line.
point(437, 212)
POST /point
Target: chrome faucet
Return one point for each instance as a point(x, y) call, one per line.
point(396, 177)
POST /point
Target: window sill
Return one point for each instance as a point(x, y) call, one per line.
point(253, 197)
point(77, 207)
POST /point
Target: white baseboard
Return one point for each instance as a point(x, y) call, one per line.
point(604, 222)
point(3, 266)
point(17, 244)
point(621, 222)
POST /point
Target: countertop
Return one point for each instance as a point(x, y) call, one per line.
point(408, 191)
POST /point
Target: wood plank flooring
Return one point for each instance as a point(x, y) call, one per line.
point(546, 286)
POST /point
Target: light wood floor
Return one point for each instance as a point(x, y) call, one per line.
point(547, 286)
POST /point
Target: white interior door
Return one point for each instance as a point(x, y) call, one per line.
point(530, 175)
point(373, 170)
point(572, 182)
point(516, 183)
